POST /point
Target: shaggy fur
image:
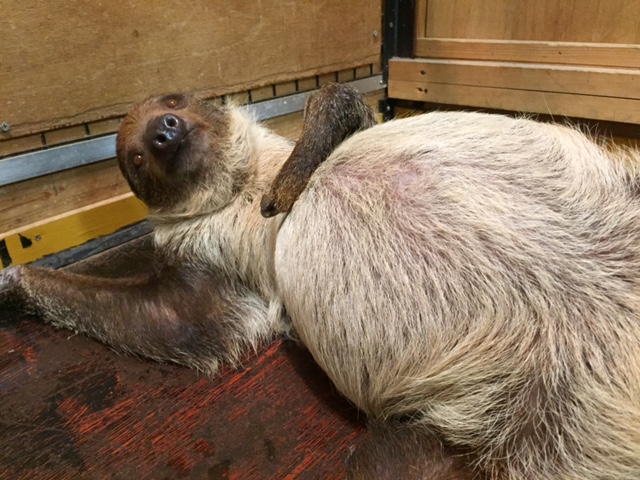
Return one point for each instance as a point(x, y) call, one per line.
point(482, 276)
point(476, 276)
point(405, 451)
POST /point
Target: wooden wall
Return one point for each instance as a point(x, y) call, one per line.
point(577, 58)
point(71, 62)
point(70, 71)
point(586, 21)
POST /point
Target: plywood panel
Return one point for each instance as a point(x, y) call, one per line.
point(70, 62)
point(597, 21)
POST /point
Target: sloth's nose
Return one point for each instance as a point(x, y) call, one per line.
point(164, 134)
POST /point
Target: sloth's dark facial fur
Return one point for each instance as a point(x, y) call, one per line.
point(167, 145)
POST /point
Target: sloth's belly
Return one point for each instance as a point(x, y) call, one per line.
point(426, 278)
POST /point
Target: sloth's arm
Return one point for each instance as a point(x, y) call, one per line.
point(331, 115)
point(176, 314)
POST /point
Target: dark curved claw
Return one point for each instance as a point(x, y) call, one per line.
point(331, 115)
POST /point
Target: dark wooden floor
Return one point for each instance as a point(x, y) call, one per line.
point(72, 408)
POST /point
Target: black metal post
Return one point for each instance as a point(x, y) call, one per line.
point(398, 41)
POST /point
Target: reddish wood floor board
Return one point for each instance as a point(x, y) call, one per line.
point(72, 408)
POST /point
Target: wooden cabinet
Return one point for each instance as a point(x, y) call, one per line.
point(578, 58)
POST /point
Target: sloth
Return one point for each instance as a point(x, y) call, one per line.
point(471, 282)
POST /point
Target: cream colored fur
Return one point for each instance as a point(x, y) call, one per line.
point(233, 236)
point(477, 273)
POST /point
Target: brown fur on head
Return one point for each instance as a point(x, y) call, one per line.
point(166, 145)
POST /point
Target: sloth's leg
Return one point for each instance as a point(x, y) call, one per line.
point(331, 115)
point(391, 451)
point(178, 314)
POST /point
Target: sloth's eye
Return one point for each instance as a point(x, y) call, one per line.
point(137, 160)
point(175, 100)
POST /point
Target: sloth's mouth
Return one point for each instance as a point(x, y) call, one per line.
point(181, 159)
point(181, 145)
point(184, 139)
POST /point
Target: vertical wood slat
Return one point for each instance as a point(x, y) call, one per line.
point(11, 146)
point(363, 71)
point(422, 6)
point(103, 127)
point(286, 88)
point(326, 78)
point(64, 135)
point(237, 98)
point(346, 75)
point(261, 94)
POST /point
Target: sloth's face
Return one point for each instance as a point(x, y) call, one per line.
point(167, 147)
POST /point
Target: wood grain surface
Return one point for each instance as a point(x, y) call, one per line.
point(559, 104)
point(601, 82)
point(593, 21)
point(549, 56)
point(65, 63)
point(594, 54)
point(70, 408)
point(34, 200)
